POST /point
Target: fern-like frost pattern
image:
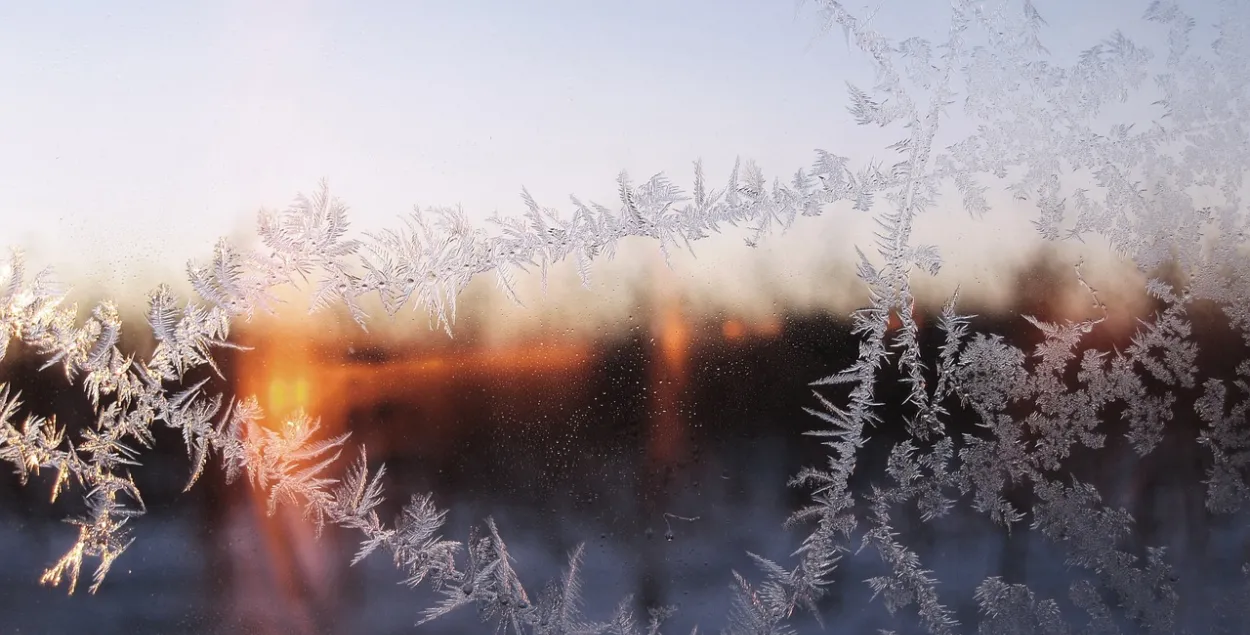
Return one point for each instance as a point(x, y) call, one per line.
point(1037, 136)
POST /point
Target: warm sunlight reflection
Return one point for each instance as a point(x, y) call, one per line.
point(668, 373)
point(734, 330)
point(297, 569)
point(292, 370)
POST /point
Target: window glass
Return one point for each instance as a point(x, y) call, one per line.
point(872, 317)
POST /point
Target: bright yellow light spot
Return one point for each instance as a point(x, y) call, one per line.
point(277, 395)
point(301, 393)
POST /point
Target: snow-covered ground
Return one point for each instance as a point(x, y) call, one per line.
point(237, 573)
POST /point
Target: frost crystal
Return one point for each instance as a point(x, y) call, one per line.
point(1165, 194)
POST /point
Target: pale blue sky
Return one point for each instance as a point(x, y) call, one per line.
point(134, 134)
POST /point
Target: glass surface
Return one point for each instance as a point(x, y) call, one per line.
point(977, 365)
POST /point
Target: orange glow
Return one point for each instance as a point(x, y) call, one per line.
point(301, 393)
point(733, 330)
point(668, 375)
point(287, 374)
point(281, 372)
point(674, 337)
point(310, 369)
point(770, 327)
point(293, 369)
point(896, 320)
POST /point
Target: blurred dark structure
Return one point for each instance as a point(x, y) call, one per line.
point(612, 442)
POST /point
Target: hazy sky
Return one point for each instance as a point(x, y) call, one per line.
point(134, 134)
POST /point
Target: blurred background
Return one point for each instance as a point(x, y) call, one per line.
point(663, 444)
